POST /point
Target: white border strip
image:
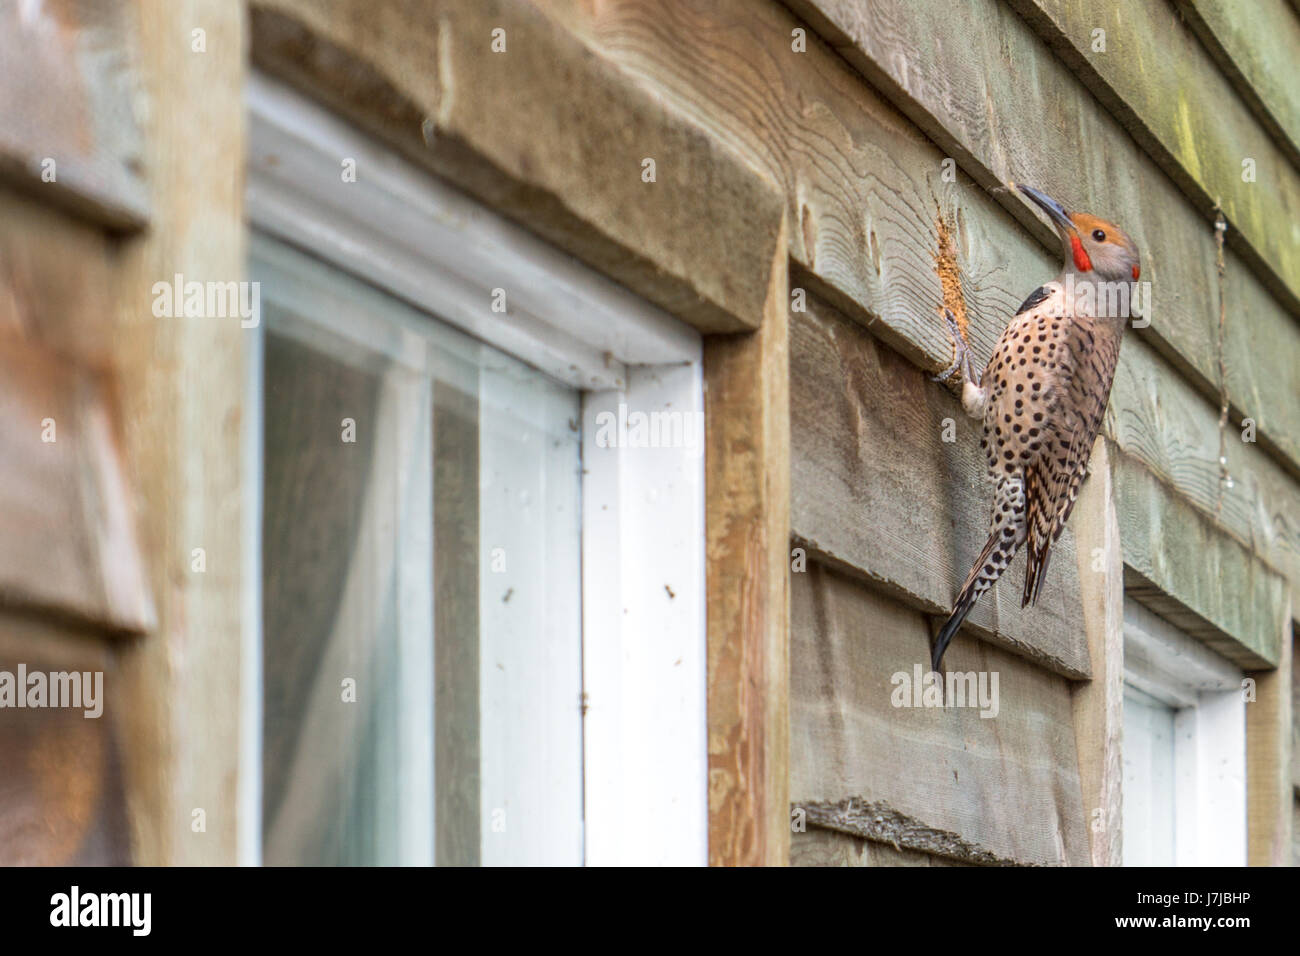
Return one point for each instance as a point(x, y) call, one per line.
point(645, 660)
point(249, 792)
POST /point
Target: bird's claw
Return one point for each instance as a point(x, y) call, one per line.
point(959, 349)
point(946, 373)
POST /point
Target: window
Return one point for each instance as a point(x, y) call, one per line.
point(480, 534)
point(1184, 749)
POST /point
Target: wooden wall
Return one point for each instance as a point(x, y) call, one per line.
point(853, 109)
point(802, 151)
point(121, 163)
point(830, 173)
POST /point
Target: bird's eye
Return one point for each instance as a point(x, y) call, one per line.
point(1098, 235)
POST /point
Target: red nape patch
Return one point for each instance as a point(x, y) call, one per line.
point(1081, 260)
point(1136, 271)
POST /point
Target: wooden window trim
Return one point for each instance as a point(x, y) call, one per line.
point(403, 231)
point(442, 125)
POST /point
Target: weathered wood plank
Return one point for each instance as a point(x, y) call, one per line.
point(1163, 86)
point(1159, 419)
point(1098, 704)
point(438, 96)
point(68, 96)
point(865, 191)
point(70, 546)
point(1200, 580)
point(37, 301)
point(747, 529)
point(1269, 794)
point(61, 776)
point(1002, 789)
point(875, 487)
point(180, 387)
point(819, 847)
point(947, 86)
point(1254, 43)
point(946, 91)
point(74, 492)
point(1262, 366)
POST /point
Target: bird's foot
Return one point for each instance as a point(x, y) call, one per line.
point(946, 373)
point(960, 352)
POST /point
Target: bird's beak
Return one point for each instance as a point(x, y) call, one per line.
point(1055, 211)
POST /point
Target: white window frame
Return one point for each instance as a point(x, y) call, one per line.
point(1205, 691)
point(644, 651)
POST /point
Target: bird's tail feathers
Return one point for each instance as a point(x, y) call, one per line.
point(977, 582)
point(1036, 572)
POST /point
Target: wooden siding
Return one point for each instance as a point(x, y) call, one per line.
point(1254, 42)
point(866, 190)
point(999, 789)
point(146, 467)
point(850, 136)
point(69, 96)
point(883, 238)
point(821, 847)
point(747, 518)
point(1080, 153)
point(62, 773)
point(438, 95)
point(813, 174)
point(1162, 86)
point(65, 484)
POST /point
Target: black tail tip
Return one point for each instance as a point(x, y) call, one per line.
point(940, 644)
point(946, 634)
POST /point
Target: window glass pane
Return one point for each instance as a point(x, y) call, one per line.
point(1148, 786)
point(421, 540)
point(531, 653)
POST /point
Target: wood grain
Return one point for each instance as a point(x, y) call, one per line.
point(820, 847)
point(61, 780)
point(1165, 90)
point(1253, 42)
point(747, 526)
point(947, 98)
point(942, 780)
point(180, 384)
point(1204, 583)
point(1269, 793)
point(864, 188)
point(1156, 417)
point(1098, 704)
point(438, 96)
point(948, 89)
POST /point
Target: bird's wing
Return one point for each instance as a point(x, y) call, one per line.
point(1053, 480)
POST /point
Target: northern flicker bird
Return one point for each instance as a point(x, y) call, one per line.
point(1041, 399)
